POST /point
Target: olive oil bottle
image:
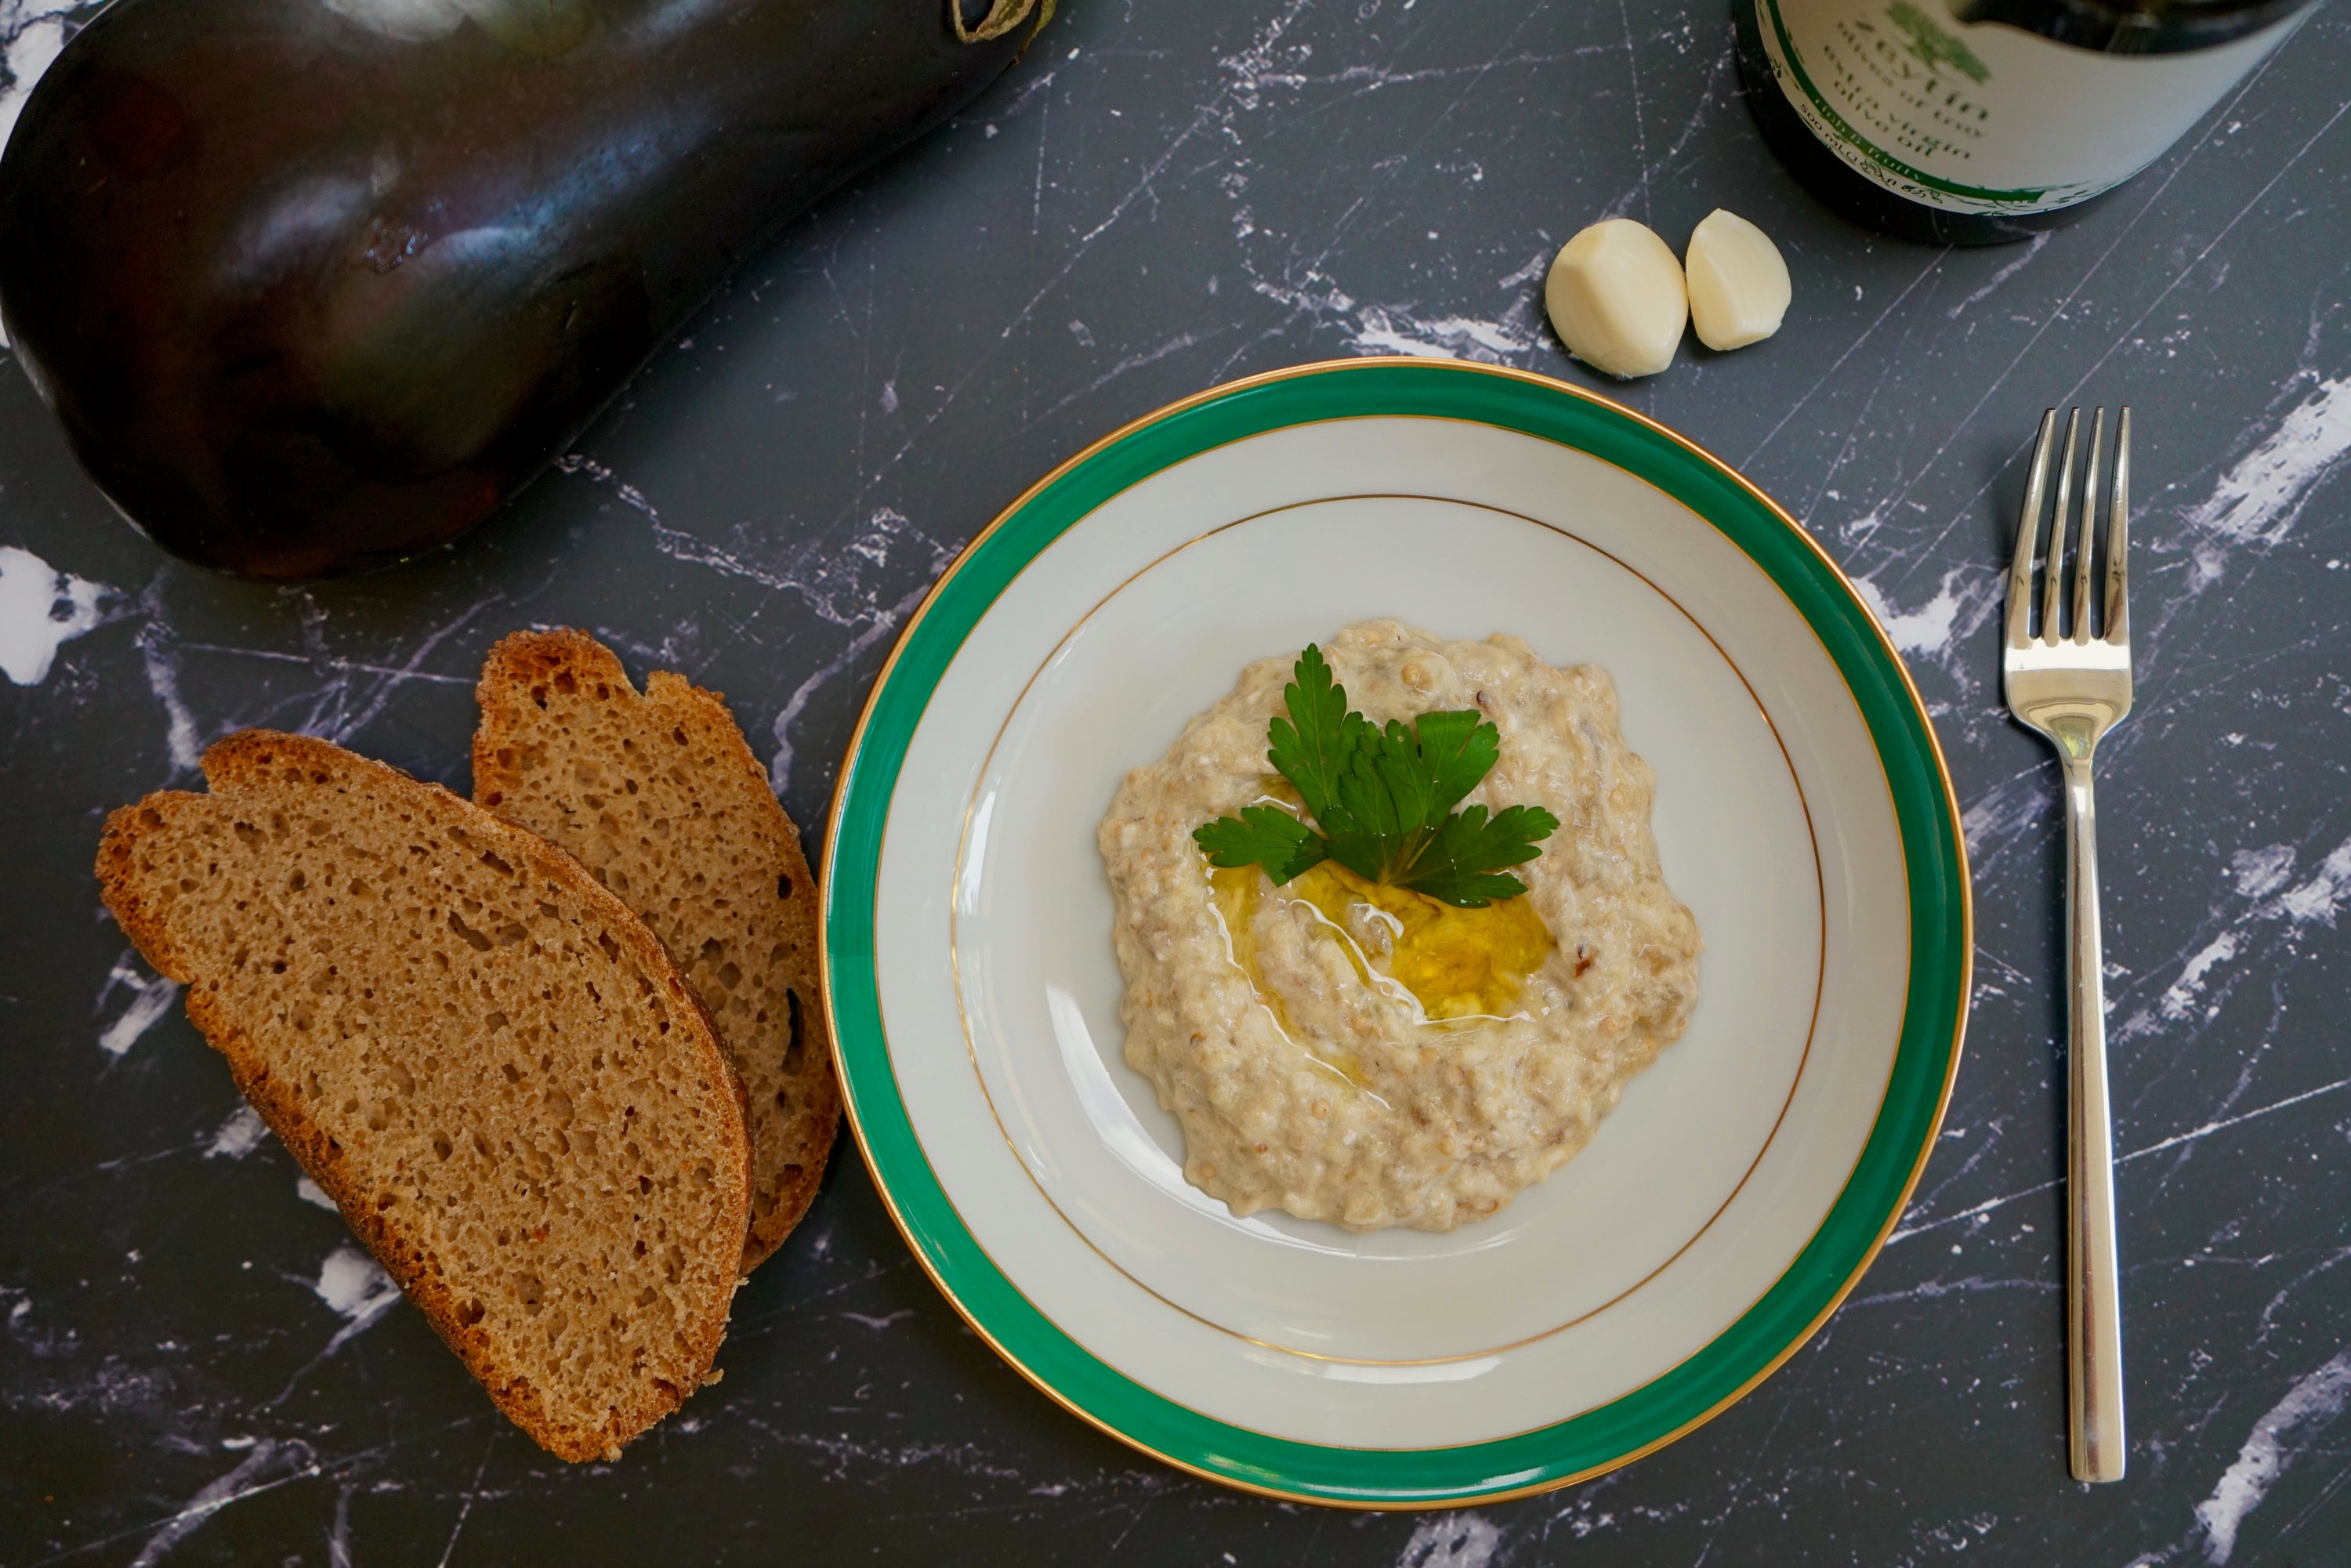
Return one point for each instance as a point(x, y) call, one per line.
point(1976, 121)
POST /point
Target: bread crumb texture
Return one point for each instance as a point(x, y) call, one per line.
point(659, 796)
point(480, 1054)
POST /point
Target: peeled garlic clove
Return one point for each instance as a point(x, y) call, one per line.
point(1616, 295)
point(1738, 282)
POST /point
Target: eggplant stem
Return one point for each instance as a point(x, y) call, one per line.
point(1003, 16)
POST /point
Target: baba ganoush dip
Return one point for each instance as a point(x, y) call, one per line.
point(1361, 1053)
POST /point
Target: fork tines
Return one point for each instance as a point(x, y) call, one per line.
point(2069, 542)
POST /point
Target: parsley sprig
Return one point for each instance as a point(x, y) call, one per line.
point(1382, 799)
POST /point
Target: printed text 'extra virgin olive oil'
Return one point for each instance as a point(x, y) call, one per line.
point(1974, 121)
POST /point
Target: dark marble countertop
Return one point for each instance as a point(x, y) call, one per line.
point(199, 1367)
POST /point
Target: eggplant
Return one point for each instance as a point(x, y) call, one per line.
point(315, 285)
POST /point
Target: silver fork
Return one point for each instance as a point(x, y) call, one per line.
point(2072, 682)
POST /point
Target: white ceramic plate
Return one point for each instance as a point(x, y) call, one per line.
point(1802, 813)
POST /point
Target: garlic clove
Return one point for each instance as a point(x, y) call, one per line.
point(1739, 288)
point(1616, 296)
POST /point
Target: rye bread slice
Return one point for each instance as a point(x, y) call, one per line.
point(657, 793)
point(488, 1062)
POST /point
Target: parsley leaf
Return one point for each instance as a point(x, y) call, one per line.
point(1460, 750)
point(1459, 864)
point(1262, 835)
point(1380, 770)
point(1311, 748)
point(1383, 799)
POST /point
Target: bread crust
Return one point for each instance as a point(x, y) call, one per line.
point(231, 766)
point(522, 704)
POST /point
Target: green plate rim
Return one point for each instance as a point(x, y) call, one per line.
point(1778, 1323)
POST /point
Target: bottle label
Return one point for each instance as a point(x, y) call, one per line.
point(1984, 117)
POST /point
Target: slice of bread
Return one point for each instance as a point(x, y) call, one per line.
point(481, 1055)
point(658, 795)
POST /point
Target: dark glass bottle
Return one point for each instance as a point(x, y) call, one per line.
point(1978, 122)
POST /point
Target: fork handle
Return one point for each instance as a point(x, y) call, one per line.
point(2094, 1339)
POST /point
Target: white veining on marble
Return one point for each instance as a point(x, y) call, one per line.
point(473, 1494)
point(1991, 286)
point(2264, 492)
point(2237, 1119)
point(2285, 1431)
point(338, 1533)
point(349, 694)
point(183, 743)
point(311, 1193)
point(148, 996)
point(867, 1320)
point(354, 1284)
point(1967, 598)
point(2258, 878)
point(779, 768)
point(1832, 376)
point(239, 1136)
point(1137, 360)
point(2218, 1125)
point(41, 609)
point(355, 694)
point(670, 542)
point(1463, 1539)
point(1937, 1289)
point(831, 575)
point(1720, 90)
point(1398, 327)
point(240, 1481)
point(2319, 896)
point(2000, 818)
point(2175, 1003)
point(2257, 873)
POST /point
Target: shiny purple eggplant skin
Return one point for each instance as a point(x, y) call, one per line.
point(315, 286)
